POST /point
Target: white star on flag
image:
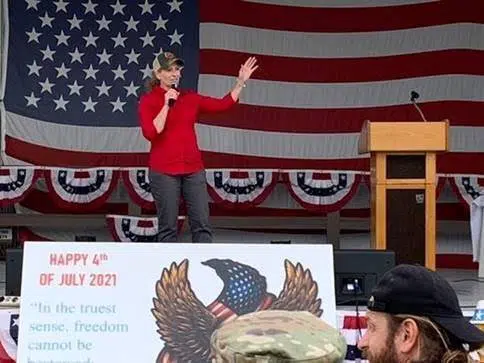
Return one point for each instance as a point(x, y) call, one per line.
point(46, 86)
point(33, 36)
point(32, 100)
point(46, 20)
point(89, 105)
point(175, 5)
point(90, 7)
point(75, 88)
point(61, 103)
point(118, 105)
point(175, 38)
point(75, 23)
point(103, 23)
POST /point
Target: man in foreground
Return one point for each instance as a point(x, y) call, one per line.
point(414, 316)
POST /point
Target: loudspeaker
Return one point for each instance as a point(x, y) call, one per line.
point(13, 271)
point(356, 272)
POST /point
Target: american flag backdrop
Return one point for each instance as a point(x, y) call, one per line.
point(73, 71)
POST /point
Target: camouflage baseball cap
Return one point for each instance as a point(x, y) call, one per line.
point(278, 336)
point(165, 60)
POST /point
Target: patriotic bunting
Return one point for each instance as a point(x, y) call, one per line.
point(85, 190)
point(467, 188)
point(240, 189)
point(138, 186)
point(322, 192)
point(15, 184)
point(135, 229)
point(81, 188)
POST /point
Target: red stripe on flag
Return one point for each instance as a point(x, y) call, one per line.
point(453, 212)
point(469, 163)
point(454, 260)
point(279, 119)
point(337, 20)
point(216, 307)
point(226, 315)
point(316, 70)
point(454, 162)
point(218, 160)
point(40, 155)
point(220, 311)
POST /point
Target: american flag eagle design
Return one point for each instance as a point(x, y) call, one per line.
point(185, 324)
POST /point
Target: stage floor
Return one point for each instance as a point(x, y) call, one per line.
point(469, 288)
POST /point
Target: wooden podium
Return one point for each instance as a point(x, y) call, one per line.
point(403, 186)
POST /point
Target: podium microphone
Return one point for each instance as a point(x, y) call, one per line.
point(413, 96)
point(171, 101)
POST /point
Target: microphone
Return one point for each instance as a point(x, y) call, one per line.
point(171, 101)
point(413, 96)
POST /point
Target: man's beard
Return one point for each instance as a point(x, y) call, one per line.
point(386, 355)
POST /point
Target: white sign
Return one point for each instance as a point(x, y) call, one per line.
point(91, 302)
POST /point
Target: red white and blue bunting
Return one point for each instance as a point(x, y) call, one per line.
point(467, 188)
point(137, 184)
point(84, 189)
point(88, 190)
point(135, 229)
point(240, 189)
point(322, 192)
point(15, 184)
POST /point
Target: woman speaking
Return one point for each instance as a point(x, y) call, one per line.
point(167, 117)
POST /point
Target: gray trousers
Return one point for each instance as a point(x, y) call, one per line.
point(166, 191)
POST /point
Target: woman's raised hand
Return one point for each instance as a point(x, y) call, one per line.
point(247, 69)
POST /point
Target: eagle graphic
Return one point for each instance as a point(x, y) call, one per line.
point(185, 324)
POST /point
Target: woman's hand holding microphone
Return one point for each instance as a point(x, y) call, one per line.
point(170, 97)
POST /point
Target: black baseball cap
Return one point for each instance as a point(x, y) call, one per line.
point(416, 290)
